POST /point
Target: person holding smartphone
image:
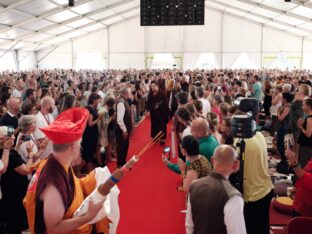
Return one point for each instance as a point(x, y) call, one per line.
point(197, 167)
point(303, 192)
point(14, 184)
point(26, 144)
point(7, 142)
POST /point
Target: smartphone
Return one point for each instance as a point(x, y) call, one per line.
point(10, 132)
point(25, 138)
point(167, 150)
point(7, 131)
point(290, 145)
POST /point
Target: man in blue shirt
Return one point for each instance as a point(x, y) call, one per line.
point(257, 89)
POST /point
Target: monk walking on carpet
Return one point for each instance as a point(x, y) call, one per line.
point(55, 193)
point(158, 107)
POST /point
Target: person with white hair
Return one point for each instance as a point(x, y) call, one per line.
point(26, 145)
point(286, 88)
point(17, 92)
point(44, 119)
point(123, 126)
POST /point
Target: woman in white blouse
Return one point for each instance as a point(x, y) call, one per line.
point(276, 104)
point(26, 144)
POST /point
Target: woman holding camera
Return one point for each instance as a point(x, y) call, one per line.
point(26, 145)
point(14, 182)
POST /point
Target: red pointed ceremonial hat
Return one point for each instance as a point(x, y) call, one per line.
point(68, 127)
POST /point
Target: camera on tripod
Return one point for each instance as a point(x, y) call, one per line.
point(244, 126)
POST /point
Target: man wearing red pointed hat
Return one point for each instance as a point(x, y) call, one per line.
point(55, 193)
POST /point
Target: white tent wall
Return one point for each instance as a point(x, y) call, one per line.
point(224, 41)
point(307, 54)
point(60, 57)
point(26, 60)
point(86, 52)
point(16, 60)
point(7, 60)
point(126, 45)
point(280, 50)
point(241, 43)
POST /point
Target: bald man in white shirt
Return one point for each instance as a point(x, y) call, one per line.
point(214, 206)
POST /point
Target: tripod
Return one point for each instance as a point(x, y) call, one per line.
point(239, 178)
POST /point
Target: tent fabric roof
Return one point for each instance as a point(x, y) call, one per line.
point(37, 24)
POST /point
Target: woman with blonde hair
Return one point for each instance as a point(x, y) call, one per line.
point(213, 121)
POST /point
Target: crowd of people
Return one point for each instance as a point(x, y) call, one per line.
point(200, 105)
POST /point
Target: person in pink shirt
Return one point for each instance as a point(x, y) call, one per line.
point(216, 102)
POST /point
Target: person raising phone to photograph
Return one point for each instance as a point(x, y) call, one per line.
point(7, 143)
point(198, 165)
point(26, 144)
point(14, 184)
point(303, 192)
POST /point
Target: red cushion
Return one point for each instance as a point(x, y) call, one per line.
point(302, 225)
point(283, 205)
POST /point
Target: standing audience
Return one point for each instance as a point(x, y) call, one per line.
point(305, 135)
point(201, 105)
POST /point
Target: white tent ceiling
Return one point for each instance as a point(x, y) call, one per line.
point(36, 24)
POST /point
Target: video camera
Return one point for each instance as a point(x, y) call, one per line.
point(244, 126)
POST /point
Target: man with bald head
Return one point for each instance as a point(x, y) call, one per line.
point(207, 142)
point(214, 205)
point(10, 118)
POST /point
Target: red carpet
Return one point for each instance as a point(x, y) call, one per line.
point(149, 201)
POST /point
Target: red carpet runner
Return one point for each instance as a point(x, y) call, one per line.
point(149, 202)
